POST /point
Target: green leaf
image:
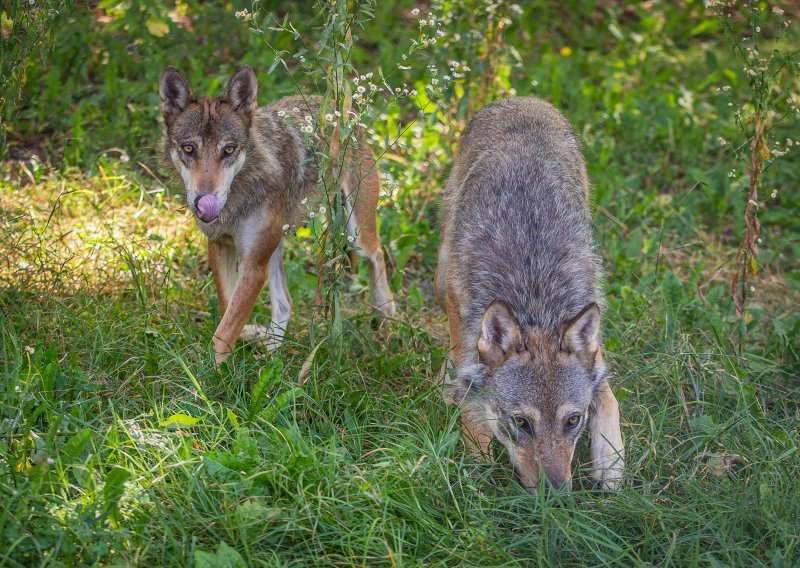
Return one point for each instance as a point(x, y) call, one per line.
point(232, 417)
point(266, 379)
point(280, 402)
point(75, 446)
point(112, 491)
point(157, 27)
point(48, 376)
point(703, 423)
point(673, 291)
point(181, 420)
point(224, 557)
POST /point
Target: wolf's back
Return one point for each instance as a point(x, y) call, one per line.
point(517, 209)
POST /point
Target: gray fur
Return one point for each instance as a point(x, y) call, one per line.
point(280, 169)
point(518, 201)
point(246, 171)
point(517, 230)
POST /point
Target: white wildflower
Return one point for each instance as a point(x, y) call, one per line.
point(350, 238)
point(29, 350)
point(322, 209)
point(415, 12)
point(311, 214)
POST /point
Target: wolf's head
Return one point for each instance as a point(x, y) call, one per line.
point(534, 387)
point(207, 138)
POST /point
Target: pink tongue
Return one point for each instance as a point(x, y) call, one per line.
point(208, 208)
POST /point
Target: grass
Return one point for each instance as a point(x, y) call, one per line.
point(120, 444)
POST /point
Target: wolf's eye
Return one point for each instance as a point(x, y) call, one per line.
point(187, 148)
point(574, 420)
point(229, 150)
point(521, 423)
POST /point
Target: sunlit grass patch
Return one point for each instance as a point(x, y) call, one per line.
point(68, 232)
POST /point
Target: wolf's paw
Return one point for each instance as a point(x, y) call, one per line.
point(254, 332)
point(273, 341)
point(386, 305)
point(609, 478)
point(268, 338)
point(389, 308)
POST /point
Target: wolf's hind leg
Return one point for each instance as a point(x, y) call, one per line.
point(607, 449)
point(361, 201)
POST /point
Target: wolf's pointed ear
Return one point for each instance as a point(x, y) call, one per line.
point(175, 92)
point(242, 90)
point(581, 335)
point(501, 336)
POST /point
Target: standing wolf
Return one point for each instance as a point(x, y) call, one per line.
point(519, 281)
point(246, 169)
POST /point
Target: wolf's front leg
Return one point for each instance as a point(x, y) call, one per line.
point(223, 261)
point(255, 251)
point(271, 337)
point(608, 451)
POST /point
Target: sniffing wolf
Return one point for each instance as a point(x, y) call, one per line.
point(246, 169)
point(520, 282)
